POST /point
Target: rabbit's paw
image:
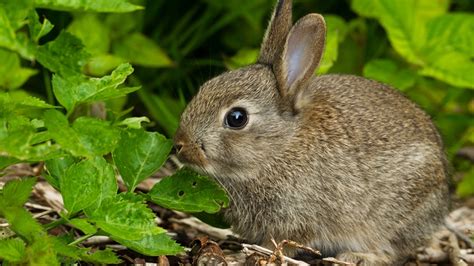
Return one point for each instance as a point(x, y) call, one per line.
point(364, 259)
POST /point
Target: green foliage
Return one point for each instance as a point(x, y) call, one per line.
point(80, 55)
point(191, 193)
point(85, 70)
point(139, 154)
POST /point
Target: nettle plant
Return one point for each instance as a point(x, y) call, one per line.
point(84, 148)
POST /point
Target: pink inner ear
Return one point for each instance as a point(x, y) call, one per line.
point(294, 62)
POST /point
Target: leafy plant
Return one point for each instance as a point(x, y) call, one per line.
point(75, 144)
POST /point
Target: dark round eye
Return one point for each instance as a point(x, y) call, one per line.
point(236, 118)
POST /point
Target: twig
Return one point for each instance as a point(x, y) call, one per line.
point(336, 261)
point(459, 234)
point(454, 252)
point(39, 207)
point(205, 228)
point(257, 248)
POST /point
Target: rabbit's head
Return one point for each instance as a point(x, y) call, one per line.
point(240, 118)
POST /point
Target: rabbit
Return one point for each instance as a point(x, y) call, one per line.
point(340, 163)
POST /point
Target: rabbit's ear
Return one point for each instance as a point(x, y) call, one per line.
point(275, 36)
point(301, 55)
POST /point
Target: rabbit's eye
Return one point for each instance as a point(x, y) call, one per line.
point(236, 118)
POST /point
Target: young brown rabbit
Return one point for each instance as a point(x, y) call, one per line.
point(340, 163)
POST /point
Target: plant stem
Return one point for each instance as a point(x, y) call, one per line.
point(80, 239)
point(52, 225)
point(47, 85)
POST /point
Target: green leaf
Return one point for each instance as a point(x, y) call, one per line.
point(16, 11)
point(42, 252)
point(139, 154)
point(72, 91)
point(22, 141)
point(56, 169)
point(106, 256)
point(449, 49)
point(244, 57)
point(140, 50)
point(405, 22)
point(465, 188)
point(83, 225)
point(96, 41)
point(12, 75)
point(336, 33)
point(102, 64)
point(17, 192)
point(65, 55)
point(189, 192)
point(124, 218)
point(22, 222)
point(387, 71)
point(38, 29)
point(87, 183)
point(96, 135)
point(12, 250)
point(7, 161)
point(152, 245)
point(134, 122)
point(87, 137)
point(88, 5)
point(12, 17)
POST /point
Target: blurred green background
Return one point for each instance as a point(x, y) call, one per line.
point(424, 48)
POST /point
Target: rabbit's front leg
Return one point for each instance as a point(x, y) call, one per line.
point(365, 259)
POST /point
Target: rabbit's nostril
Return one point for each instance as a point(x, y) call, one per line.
point(178, 147)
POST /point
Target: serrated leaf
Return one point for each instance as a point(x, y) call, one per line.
point(84, 182)
point(387, 71)
point(96, 135)
point(83, 225)
point(140, 50)
point(6, 161)
point(106, 256)
point(22, 141)
point(134, 122)
point(117, 6)
point(56, 168)
point(12, 250)
point(65, 55)
point(129, 220)
point(87, 137)
point(17, 192)
point(188, 191)
point(22, 222)
point(74, 90)
point(42, 252)
point(139, 154)
point(102, 64)
point(12, 17)
point(38, 29)
point(152, 245)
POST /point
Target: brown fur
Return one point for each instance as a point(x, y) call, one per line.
point(342, 163)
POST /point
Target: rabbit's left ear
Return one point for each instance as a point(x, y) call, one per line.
point(301, 56)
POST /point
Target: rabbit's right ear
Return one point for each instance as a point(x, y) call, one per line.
point(277, 30)
point(300, 57)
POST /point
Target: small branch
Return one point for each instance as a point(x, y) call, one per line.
point(80, 239)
